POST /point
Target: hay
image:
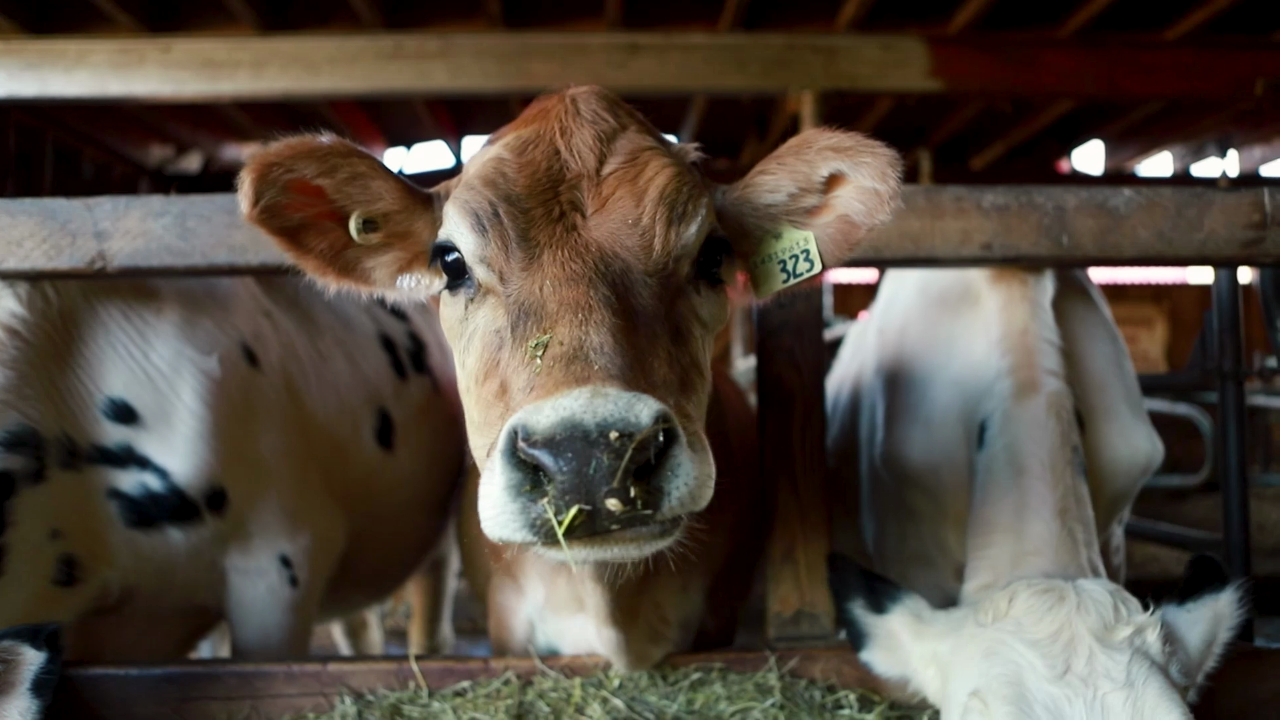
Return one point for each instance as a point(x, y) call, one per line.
point(700, 691)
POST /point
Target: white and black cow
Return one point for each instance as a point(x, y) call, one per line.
point(175, 452)
point(989, 424)
point(30, 661)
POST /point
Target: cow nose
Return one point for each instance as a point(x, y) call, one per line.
point(605, 476)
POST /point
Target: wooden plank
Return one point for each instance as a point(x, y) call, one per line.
point(969, 12)
point(390, 64)
point(1198, 16)
point(1082, 16)
point(122, 233)
point(938, 224)
point(218, 690)
point(791, 359)
point(1020, 133)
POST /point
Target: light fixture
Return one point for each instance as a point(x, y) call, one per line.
point(1090, 158)
point(1156, 166)
point(471, 145)
point(428, 156)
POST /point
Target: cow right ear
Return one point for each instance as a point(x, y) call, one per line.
point(342, 217)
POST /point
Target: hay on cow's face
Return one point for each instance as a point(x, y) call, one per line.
point(703, 691)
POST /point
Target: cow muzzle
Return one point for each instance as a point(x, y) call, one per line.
point(606, 471)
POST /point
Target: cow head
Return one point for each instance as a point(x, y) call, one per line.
point(580, 262)
point(1042, 648)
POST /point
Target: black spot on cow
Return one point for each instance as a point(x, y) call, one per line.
point(982, 434)
point(147, 508)
point(385, 430)
point(215, 500)
point(120, 411)
point(417, 354)
point(55, 535)
point(66, 571)
point(25, 442)
point(250, 357)
point(67, 454)
point(395, 311)
point(8, 488)
point(287, 564)
point(393, 356)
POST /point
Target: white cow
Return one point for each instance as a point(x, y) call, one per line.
point(971, 402)
point(176, 452)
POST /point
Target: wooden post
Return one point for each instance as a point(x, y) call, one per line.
point(791, 361)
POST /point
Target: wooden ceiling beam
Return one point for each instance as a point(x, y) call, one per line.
point(1080, 17)
point(244, 14)
point(851, 13)
point(958, 120)
point(368, 12)
point(120, 16)
point(1020, 134)
point(731, 16)
point(613, 12)
point(9, 26)
point(437, 123)
point(969, 12)
point(358, 125)
point(876, 114)
point(1122, 155)
point(784, 112)
point(1198, 16)
point(389, 64)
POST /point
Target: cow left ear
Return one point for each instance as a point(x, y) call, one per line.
point(834, 184)
point(342, 217)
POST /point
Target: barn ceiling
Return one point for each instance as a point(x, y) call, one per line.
point(959, 134)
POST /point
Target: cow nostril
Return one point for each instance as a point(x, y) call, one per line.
point(538, 461)
point(648, 453)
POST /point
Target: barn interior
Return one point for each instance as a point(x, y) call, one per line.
point(1095, 93)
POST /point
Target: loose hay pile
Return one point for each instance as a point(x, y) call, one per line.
point(692, 692)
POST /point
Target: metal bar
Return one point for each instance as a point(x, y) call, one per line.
point(1230, 445)
point(1183, 538)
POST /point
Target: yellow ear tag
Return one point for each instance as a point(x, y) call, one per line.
point(785, 257)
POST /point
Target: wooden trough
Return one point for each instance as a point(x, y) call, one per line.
point(938, 225)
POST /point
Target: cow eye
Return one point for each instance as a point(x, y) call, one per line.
point(452, 265)
point(710, 262)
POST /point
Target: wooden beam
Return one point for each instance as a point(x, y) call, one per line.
point(613, 13)
point(985, 224)
point(1083, 15)
point(367, 11)
point(493, 13)
point(244, 14)
point(299, 67)
point(879, 109)
point(693, 116)
point(119, 15)
point(791, 358)
point(1020, 134)
point(731, 15)
point(1198, 16)
point(851, 12)
point(1121, 155)
point(955, 122)
point(1120, 125)
point(784, 112)
point(969, 12)
point(360, 127)
point(9, 26)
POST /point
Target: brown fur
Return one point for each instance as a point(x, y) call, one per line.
point(589, 225)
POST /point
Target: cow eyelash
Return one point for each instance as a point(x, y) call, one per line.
point(452, 264)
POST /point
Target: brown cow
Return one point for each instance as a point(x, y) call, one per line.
point(579, 260)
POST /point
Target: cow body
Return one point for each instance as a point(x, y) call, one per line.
point(580, 261)
point(176, 452)
point(990, 426)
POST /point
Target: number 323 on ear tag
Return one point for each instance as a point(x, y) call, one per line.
point(785, 257)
